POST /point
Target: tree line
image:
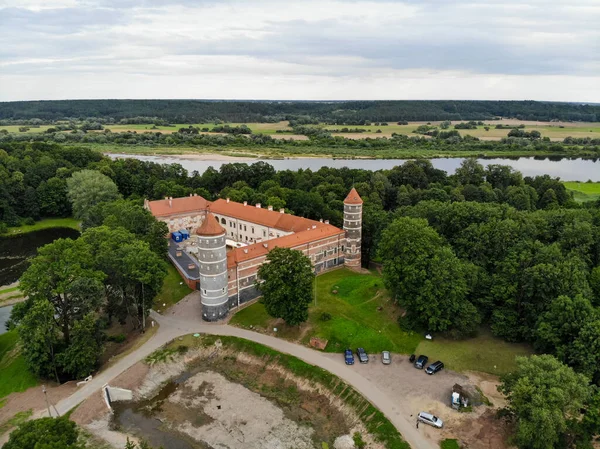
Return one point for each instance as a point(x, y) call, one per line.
point(483, 246)
point(331, 112)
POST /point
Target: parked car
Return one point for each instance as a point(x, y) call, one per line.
point(386, 358)
point(362, 355)
point(430, 419)
point(349, 357)
point(434, 367)
point(421, 362)
point(411, 359)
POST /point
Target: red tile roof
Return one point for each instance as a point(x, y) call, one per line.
point(264, 217)
point(210, 226)
point(160, 208)
point(353, 197)
point(288, 241)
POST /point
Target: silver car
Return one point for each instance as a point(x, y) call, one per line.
point(386, 358)
point(430, 419)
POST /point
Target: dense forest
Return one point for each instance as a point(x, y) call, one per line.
point(482, 247)
point(334, 112)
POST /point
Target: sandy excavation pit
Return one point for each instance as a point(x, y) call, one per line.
point(201, 400)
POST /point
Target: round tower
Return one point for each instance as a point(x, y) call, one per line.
point(212, 258)
point(353, 227)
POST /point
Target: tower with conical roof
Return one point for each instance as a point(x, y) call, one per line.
point(212, 264)
point(353, 227)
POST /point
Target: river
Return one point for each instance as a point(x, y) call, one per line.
point(566, 169)
point(15, 250)
point(4, 316)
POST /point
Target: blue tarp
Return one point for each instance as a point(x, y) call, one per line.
point(184, 234)
point(176, 236)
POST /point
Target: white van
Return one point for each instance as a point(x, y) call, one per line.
point(430, 419)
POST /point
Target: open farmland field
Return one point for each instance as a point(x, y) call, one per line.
point(584, 191)
point(556, 131)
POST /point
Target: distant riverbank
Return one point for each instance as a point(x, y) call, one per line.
point(46, 223)
point(576, 169)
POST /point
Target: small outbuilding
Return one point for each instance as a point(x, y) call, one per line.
point(176, 236)
point(185, 234)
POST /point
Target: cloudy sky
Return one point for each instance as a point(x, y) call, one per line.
point(300, 49)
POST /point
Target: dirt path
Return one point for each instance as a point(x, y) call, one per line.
point(172, 327)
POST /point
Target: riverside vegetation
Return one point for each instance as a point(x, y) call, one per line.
point(516, 255)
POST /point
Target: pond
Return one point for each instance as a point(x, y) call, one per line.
point(15, 250)
point(4, 316)
point(577, 169)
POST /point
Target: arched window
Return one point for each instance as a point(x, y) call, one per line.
point(223, 221)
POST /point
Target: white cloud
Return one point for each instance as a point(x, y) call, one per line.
point(300, 49)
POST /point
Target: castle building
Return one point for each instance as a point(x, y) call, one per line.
point(229, 241)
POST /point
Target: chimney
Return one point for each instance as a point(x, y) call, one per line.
point(270, 208)
point(190, 194)
point(195, 194)
point(314, 226)
point(326, 221)
point(245, 203)
point(227, 200)
point(266, 245)
point(166, 197)
point(321, 220)
point(170, 201)
point(258, 205)
point(281, 211)
point(245, 251)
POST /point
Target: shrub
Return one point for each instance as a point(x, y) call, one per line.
point(119, 338)
point(358, 441)
point(326, 316)
point(29, 221)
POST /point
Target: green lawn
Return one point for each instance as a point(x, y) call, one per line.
point(357, 322)
point(14, 374)
point(584, 191)
point(483, 353)
point(45, 224)
point(173, 289)
point(8, 290)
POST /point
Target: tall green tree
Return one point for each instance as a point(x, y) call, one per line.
point(64, 274)
point(45, 433)
point(80, 358)
point(40, 334)
point(286, 285)
point(426, 277)
point(86, 188)
point(543, 396)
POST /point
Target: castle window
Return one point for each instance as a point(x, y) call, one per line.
point(264, 233)
point(223, 221)
point(252, 229)
point(204, 291)
point(223, 289)
point(244, 227)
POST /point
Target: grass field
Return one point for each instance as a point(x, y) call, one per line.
point(357, 321)
point(45, 224)
point(173, 289)
point(484, 353)
point(9, 290)
point(584, 191)
point(555, 131)
point(14, 374)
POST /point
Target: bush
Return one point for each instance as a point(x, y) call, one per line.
point(358, 441)
point(326, 316)
point(3, 228)
point(29, 221)
point(119, 338)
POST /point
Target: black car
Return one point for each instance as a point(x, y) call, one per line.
point(434, 367)
point(362, 355)
point(421, 362)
